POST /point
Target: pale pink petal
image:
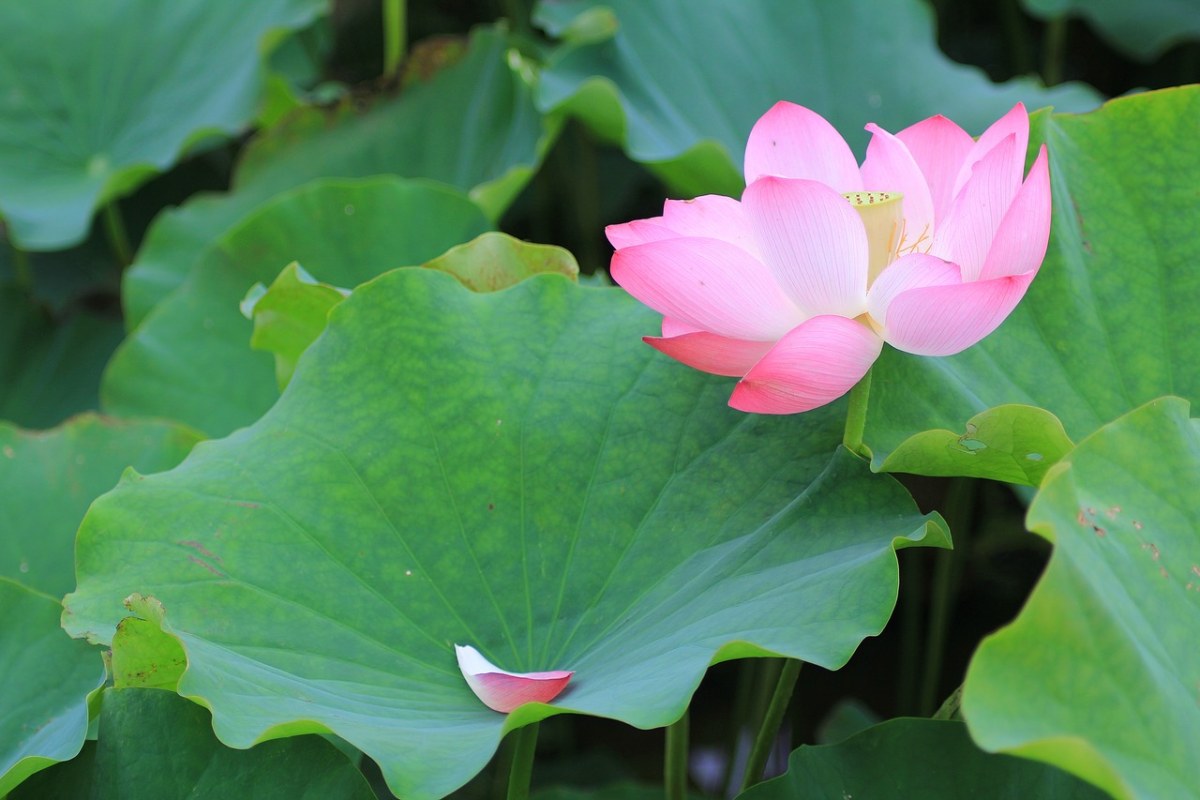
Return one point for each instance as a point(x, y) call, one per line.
point(712, 216)
point(967, 233)
point(504, 691)
point(790, 141)
point(673, 327)
point(816, 363)
point(1020, 242)
point(939, 147)
point(889, 167)
point(813, 241)
point(944, 320)
point(708, 284)
point(1016, 124)
point(708, 352)
point(910, 272)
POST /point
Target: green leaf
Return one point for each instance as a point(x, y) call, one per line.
point(158, 746)
point(680, 93)
point(143, 656)
point(1010, 443)
point(513, 470)
point(99, 97)
point(473, 126)
point(291, 314)
point(1110, 631)
point(50, 368)
point(190, 360)
point(1142, 30)
point(923, 758)
point(1108, 324)
point(45, 677)
point(50, 478)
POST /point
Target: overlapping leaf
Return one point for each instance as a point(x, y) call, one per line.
point(191, 359)
point(50, 478)
point(154, 745)
point(45, 677)
point(98, 97)
point(472, 125)
point(924, 758)
point(1142, 30)
point(513, 470)
point(1110, 630)
point(1109, 322)
point(50, 367)
point(680, 82)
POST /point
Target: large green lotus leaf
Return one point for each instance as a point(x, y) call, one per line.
point(190, 360)
point(50, 368)
point(97, 97)
point(1110, 630)
point(680, 82)
point(513, 470)
point(50, 478)
point(924, 758)
point(155, 745)
point(1142, 30)
point(45, 677)
point(291, 313)
point(1109, 322)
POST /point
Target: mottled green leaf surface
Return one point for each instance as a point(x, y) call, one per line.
point(916, 758)
point(1109, 323)
point(472, 125)
point(513, 470)
point(45, 677)
point(97, 97)
point(155, 745)
point(50, 478)
point(1142, 30)
point(191, 359)
point(1100, 674)
point(679, 83)
point(1012, 443)
point(50, 366)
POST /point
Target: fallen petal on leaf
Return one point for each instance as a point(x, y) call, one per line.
point(504, 691)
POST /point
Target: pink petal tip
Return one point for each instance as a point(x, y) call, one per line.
point(504, 691)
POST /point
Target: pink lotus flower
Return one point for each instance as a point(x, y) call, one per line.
point(503, 691)
point(927, 246)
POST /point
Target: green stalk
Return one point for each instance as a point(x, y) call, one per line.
point(118, 239)
point(395, 37)
point(960, 503)
point(1018, 38)
point(856, 417)
point(22, 272)
point(910, 633)
point(675, 760)
point(769, 731)
point(522, 763)
point(1054, 50)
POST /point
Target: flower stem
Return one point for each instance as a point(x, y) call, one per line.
point(394, 37)
point(1054, 49)
point(856, 417)
point(22, 272)
point(959, 505)
point(675, 762)
point(769, 731)
point(118, 239)
point(522, 764)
